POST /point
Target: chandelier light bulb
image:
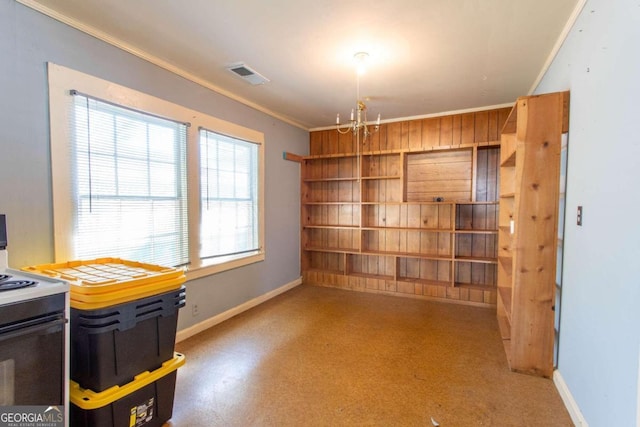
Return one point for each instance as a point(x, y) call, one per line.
point(361, 62)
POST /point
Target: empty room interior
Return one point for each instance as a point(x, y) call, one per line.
point(321, 213)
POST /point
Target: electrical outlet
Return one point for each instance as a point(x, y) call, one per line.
point(194, 310)
point(579, 216)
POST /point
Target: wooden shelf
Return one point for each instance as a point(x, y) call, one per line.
point(427, 230)
point(381, 177)
point(329, 156)
point(492, 202)
point(332, 227)
point(329, 203)
point(460, 231)
point(332, 250)
point(329, 179)
point(421, 203)
point(481, 260)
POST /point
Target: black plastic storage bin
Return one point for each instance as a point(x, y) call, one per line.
point(110, 346)
point(147, 401)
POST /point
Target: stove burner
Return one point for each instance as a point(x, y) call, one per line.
point(4, 277)
point(8, 285)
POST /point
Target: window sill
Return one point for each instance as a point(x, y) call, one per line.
point(207, 270)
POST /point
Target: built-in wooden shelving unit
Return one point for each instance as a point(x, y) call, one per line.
point(528, 229)
point(413, 211)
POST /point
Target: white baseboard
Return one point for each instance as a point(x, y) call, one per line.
point(212, 321)
point(569, 402)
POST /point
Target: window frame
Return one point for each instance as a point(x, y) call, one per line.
point(61, 81)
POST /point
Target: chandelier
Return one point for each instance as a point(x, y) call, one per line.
point(358, 119)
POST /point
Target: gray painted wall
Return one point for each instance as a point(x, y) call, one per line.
point(599, 330)
point(28, 40)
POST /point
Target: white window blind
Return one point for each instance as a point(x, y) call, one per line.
point(228, 196)
point(129, 191)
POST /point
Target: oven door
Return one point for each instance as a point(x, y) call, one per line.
point(32, 352)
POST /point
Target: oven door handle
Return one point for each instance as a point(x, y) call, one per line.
point(32, 329)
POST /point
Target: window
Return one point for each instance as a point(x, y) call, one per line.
point(127, 171)
point(130, 191)
point(228, 196)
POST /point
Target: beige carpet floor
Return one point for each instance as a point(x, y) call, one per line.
point(318, 356)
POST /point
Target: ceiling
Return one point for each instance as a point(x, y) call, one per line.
point(425, 56)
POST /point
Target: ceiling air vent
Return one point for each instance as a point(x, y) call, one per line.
point(245, 72)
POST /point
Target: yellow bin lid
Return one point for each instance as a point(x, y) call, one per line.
point(88, 399)
point(105, 274)
point(104, 282)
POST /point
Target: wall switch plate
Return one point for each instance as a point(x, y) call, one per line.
point(579, 217)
